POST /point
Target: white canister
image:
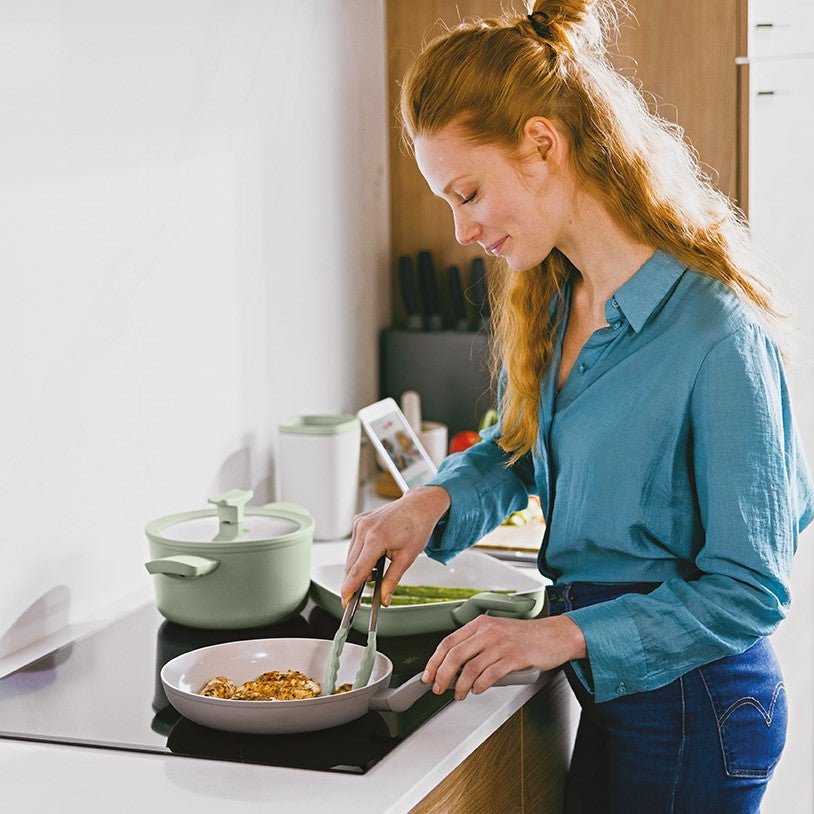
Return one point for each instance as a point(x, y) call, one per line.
point(318, 467)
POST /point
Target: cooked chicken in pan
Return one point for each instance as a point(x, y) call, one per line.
point(218, 687)
point(278, 685)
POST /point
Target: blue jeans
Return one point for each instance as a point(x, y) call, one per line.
point(707, 742)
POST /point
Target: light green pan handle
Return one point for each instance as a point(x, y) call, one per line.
point(403, 697)
point(510, 605)
point(182, 566)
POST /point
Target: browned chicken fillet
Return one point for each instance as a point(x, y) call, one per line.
point(278, 685)
point(343, 688)
point(218, 687)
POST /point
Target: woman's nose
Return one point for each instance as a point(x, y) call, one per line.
point(466, 229)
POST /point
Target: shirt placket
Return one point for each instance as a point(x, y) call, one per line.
point(595, 348)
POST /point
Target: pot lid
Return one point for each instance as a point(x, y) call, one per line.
point(208, 529)
point(320, 424)
point(232, 522)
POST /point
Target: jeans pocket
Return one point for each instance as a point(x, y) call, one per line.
point(751, 711)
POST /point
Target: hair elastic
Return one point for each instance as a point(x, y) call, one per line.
point(540, 28)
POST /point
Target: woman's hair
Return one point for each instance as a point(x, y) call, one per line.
point(488, 77)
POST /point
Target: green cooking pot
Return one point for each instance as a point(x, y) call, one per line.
point(231, 566)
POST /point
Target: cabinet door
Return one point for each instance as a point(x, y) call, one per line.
point(779, 28)
point(781, 207)
point(781, 166)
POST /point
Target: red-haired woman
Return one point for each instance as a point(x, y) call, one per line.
point(641, 396)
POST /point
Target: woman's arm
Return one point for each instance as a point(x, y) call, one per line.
point(483, 493)
point(754, 496)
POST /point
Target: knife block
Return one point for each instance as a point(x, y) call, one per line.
point(448, 369)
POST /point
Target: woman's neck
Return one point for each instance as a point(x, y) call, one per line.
point(604, 255)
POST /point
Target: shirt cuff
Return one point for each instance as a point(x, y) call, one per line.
point(458, 529)
point(616, 660)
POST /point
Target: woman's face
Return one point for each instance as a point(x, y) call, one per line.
point(514, 207)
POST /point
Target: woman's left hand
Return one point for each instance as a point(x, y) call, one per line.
point(490, 647)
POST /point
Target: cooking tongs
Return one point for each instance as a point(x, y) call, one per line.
point(368, 657)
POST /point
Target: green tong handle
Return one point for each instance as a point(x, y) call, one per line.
point(369, 656)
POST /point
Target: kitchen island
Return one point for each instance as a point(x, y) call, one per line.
point(505, 750)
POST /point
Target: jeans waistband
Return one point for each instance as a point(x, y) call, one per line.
point(562, 598)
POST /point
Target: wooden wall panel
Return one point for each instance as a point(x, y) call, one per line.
point(682, 52)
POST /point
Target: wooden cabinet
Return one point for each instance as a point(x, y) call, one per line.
point(520, 769)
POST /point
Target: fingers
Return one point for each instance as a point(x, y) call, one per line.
point(472, 658)
point(356, 543)
point(359, 571)
point(455, 651)
point(395, 571)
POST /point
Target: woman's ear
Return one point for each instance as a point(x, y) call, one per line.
point(541, 136)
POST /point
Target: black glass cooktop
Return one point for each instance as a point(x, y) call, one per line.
point(104, 690)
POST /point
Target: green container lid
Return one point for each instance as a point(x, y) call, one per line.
point(320, 424)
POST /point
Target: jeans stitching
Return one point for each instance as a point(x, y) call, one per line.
point(680, 748)
point(719, 722)
point(749, 700)
point(724, 751)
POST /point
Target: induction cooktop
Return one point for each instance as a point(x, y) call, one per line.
point(104, 690)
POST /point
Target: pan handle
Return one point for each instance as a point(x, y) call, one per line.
point(403, 697)
point(511, 605)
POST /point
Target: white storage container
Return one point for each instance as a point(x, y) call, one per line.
point(318, 467)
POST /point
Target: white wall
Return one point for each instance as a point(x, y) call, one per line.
point(194, 246)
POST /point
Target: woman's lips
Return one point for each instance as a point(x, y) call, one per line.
point(495, 247)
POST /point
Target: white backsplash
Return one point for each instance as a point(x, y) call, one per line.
point(194, 247)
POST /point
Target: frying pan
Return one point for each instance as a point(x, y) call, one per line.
point(245, 660)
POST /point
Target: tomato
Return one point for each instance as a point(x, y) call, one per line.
point(463, 440)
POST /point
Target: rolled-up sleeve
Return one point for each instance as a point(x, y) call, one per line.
point(483, 492)
point(754, 497)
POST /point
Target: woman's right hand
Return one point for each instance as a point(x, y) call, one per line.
point(399, 530)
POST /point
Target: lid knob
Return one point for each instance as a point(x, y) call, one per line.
point(231, 506)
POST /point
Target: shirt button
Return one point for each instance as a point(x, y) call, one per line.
point(614, 302)
point(615, 325)
point(621, 689)
point(582, 367)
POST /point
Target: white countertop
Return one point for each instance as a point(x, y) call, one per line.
point(60, 778)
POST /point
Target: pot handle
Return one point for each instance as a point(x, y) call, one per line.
point(403, 697)
point(508, 605)
point(182, 566)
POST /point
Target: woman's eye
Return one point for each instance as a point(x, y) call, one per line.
point(469, 199)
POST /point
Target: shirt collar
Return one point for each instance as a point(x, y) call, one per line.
point(639, 297)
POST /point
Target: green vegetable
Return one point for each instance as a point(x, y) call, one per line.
point(429, 594)
point(404, 599)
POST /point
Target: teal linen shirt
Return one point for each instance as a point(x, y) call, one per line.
point(670, 455)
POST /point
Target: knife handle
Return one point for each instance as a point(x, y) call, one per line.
point(429, 290)
point(408, 293)
point(456, 299)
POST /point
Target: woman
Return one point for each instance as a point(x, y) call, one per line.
point(641, 397)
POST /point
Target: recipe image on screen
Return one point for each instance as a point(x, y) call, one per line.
point(402, 450)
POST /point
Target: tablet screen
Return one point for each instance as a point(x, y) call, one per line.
point(399, 445)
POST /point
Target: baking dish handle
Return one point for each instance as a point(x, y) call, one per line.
point(510, 605)
point(182, 566)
